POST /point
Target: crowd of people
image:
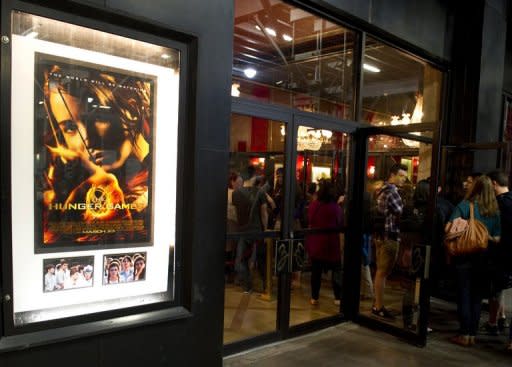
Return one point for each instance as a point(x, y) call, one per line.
point(62, 276)
point(124, 268)
point(488, 273)
point(256, 205)
point(481, 275)
point(394, 212)
point(117, 269)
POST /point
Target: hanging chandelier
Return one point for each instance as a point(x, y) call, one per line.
point(309, 138)
point(406, 119)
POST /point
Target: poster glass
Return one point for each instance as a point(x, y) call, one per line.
point(94, 129)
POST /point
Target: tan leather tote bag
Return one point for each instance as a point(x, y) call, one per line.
point(466, 238)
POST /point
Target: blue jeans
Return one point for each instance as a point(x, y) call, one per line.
point(471, 279)
point(244, 254)
point(367, 249)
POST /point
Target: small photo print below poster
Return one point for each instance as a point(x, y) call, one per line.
point(124, 267)
point(68, 273)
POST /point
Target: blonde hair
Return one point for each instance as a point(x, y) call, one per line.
point(482, 193)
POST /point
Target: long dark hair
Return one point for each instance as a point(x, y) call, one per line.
point(326, 192)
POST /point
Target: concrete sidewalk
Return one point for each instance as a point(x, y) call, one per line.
point(349, 344)
point(353, 345)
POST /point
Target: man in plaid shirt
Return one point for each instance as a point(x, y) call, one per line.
point(390, 205)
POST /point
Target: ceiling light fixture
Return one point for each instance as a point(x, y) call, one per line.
point(371, 68)
point(287, 38)
point(407, 119)
point(165, 56)
point(270, 31)
point(235, 90)
point(250, 73)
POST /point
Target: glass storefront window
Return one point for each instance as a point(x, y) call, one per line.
point(94, 126)
point(398, 89)
point(287, 56)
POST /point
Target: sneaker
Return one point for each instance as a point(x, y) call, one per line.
point(382, 312)
point(502, 324)
point(314, 302)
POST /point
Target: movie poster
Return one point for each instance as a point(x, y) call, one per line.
point(94, 129)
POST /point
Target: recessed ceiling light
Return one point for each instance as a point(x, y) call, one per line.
point(270, 31)
point(258, 28)
point(371, 68)
point(287, 38)
point(165, 56)
point(250, 73)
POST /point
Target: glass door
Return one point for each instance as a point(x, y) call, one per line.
point(255, 205)
point(398, 235)
point(283, 164)
point(321, 157)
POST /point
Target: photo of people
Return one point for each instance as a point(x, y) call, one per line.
point(94, 143)
point(68, 273)
point(124, 268)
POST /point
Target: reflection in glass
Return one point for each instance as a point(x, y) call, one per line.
point(395, 232)
point(321, 178)
point(285, 55)
point(255, 198)
point(398, 89)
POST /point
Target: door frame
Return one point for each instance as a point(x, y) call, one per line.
point(292, 118)
point(360, 131)
point(361, 155)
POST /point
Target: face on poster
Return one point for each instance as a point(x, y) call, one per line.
point(124, 268)
point(94, 143)
point(68, 273)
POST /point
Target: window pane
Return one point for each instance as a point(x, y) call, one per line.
point(398, 89)
point(288, 56)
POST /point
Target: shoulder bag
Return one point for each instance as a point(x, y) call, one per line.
point(466, 236)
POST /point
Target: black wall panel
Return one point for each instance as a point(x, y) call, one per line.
point(491, 75)
point(507, 79)
point(427, 24)
point(422, 23)
point(360, 9)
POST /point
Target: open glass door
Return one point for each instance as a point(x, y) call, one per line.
point(397, 212)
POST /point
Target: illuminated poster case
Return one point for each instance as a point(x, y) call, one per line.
point(94, 150)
